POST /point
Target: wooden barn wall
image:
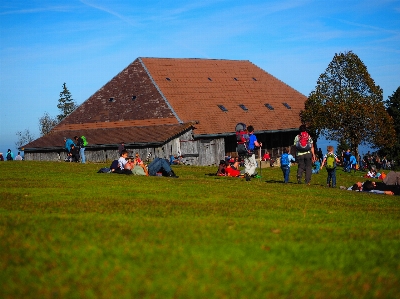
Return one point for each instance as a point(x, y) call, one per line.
point(195, 152)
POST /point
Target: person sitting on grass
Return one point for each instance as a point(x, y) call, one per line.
point(139, 166)
point(118, 166)
point(226, 169)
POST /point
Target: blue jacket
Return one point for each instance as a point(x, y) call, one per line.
point(68, 144)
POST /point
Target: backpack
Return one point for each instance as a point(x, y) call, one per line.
point(285, 159)
point(303, 144)
point(9, 156)
point(242, 138)
point(330, 161)
point(84, 141)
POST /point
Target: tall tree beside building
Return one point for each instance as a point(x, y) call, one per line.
point(65, 103)
point(346, 105)
point(393, 109)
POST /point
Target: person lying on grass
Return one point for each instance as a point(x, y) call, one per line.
point(372, 187)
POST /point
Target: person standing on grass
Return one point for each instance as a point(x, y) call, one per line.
point(305, 154)
point(67, 143)
point(121, 147)
point(353, 163)
point(81, 146)
point(250, 163)
point(330, 159)
point(9, 155)
point(286, 160)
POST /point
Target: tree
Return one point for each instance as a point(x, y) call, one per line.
point(393, 109)
point(65, 103)
point(23, 138)
point(347, 106)
point(46, 123)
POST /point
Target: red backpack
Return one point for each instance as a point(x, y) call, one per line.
point(303, 144)
point(242, 138)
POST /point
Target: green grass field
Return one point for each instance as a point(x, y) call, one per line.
point(69, 232)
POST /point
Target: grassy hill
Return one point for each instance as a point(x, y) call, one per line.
point(69, 232)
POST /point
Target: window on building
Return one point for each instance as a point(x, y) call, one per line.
point(287, 105)
point(222, 107)
point(243, 107)
point(269, 106)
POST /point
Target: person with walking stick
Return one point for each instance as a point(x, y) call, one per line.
point(250, 163)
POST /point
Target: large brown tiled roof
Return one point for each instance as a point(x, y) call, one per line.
point(158, 93)
point(185, 90)
point(137, 135)
point(194, 88)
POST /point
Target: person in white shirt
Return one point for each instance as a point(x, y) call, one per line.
point(18, 157)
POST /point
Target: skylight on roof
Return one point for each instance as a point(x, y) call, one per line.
point(133, 98)
point(209, 79)
point(111, 99)
point(287, 105)
point(269, 106)
point(168, 79)
point(236, 79)
point(222, 107)
point(243, 107)
point(254, 79)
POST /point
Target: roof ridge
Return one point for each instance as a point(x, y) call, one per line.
point(159, 90)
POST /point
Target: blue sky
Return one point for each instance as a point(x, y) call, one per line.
point(85, 43)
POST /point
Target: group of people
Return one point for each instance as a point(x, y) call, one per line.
point(10, 156)
point(134, 165)
point(306, 159)
point(75, 149)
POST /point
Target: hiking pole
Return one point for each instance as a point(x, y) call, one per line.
point(259, 157)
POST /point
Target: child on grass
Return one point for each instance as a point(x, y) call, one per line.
point(330, 159)
point(286, 160)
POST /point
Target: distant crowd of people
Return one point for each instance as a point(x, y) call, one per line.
point(10, 156)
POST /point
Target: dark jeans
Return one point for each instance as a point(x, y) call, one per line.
point(159, 165)
point(331, 176)
point(286, 172)
point(305, 165)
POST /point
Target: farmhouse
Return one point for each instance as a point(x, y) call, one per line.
point(166, 106)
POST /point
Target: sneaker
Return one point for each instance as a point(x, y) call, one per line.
point(247, 177)
point(257, 176)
